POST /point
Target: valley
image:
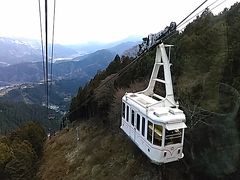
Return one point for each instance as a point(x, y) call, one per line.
point(22, 82)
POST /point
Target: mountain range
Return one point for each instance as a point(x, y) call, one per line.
point(21, 60)
point(33, 71)
point(18, 50)
point(13, 51)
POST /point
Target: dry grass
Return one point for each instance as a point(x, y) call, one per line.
point(53, 165)
point(99, 154)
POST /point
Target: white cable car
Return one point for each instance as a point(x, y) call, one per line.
point(155, 123)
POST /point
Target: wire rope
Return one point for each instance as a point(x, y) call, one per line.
point(41, 32)
point(53, 34)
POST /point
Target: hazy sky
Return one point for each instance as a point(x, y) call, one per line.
point(80, 21)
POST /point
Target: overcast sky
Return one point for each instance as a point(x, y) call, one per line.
point(80, 21)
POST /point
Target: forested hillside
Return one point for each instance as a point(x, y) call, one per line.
point(20, 152)
point(206, 78)
point(15, 114)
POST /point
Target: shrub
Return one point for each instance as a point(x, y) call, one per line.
point(34, 134)
point(20, 151)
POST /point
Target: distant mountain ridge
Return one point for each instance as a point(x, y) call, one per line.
point(33, 72)
point(91, 47)
point(21, 61)
point(131, 52)
point(18, 50)
point(121, 48)
point(13, 51)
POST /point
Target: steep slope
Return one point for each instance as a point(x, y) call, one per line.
point(99, 154)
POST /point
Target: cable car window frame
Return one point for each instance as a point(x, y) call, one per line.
point(173, 136)
point(143, 126)
point(158, 133)
point(138, 122)
point(123, 110)
point(150, 131)
point(132, 117)
point(127, 118)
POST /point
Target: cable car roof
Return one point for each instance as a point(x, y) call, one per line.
point(154, 109)
point(173, 126)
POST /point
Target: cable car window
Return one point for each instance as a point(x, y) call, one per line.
point(127, 113)
point(173, 136)
point(132, 120)
point(123, 110)
point(138, 122)
point(143, 126)
point(149, 131)
point(157, 137)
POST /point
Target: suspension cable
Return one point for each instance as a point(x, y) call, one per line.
point(46, 48)
point(46, 57)
point(40, 21)
point(186, 21)
point(203, 11)
point(53, 33)
point(192, 12)
point(52, 50)
point(218, 5)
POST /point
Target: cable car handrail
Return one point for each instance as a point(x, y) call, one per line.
point(157, 96)
point(173, 136)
